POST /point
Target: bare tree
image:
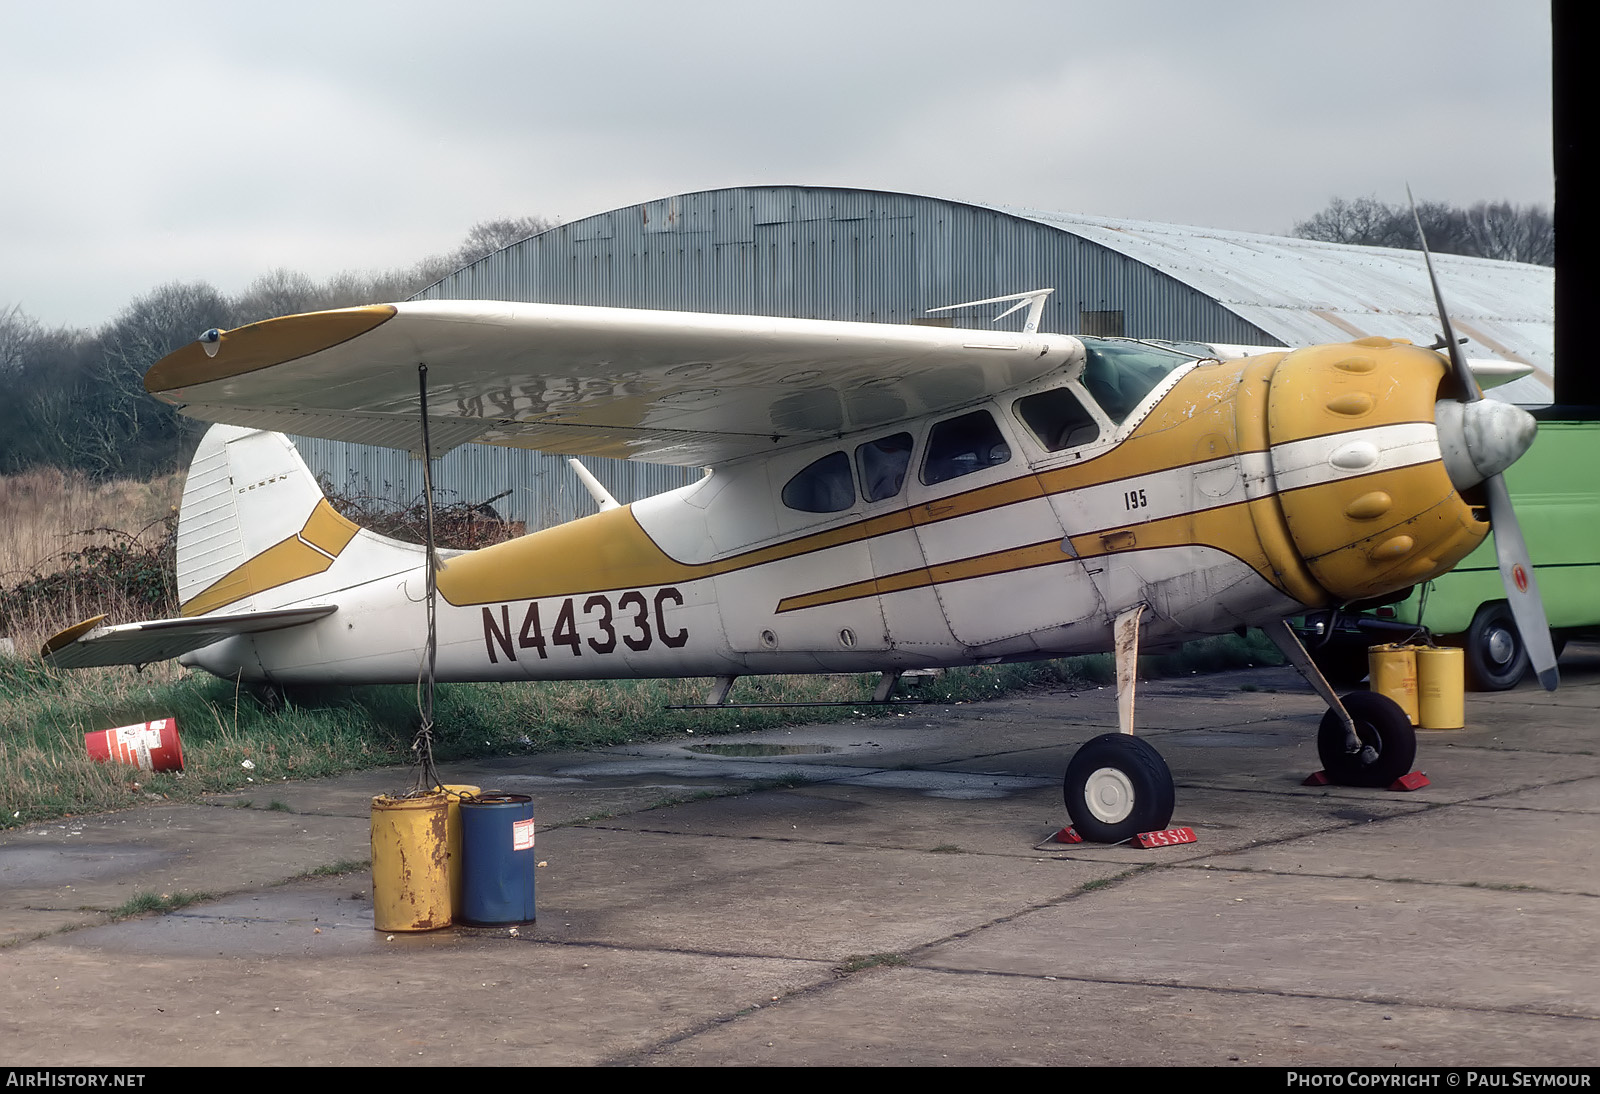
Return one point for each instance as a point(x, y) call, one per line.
point(1525, 233)
point(77, 399)
point(1486, 230)
point(488, 236)
point(279, 292)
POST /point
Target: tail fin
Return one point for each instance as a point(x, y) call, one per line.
point(253, 523)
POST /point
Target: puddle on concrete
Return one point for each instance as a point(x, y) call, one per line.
point(761, 748)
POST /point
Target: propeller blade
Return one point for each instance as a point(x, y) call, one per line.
point(1522, 589)
point(1510, 549)
point(1458, 360)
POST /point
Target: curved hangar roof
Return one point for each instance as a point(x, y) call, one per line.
point(832, 253)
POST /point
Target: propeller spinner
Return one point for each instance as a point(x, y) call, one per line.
point(1480, 439)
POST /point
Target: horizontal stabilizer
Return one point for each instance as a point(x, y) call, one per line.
point(90, 644)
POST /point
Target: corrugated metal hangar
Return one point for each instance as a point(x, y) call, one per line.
point(875, 256)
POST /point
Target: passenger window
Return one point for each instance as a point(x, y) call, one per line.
point(1057, 418)
point(882, 464)
point(1119, 374)
point(822, 487)
point(960, 446)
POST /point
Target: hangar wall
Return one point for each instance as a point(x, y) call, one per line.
point(822, 253)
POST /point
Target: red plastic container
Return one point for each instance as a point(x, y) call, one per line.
point(149, 746)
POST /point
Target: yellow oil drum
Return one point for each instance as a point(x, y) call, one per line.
point(1441, 674)
point(410, 862)
point(1394, 673)
point(453, 793)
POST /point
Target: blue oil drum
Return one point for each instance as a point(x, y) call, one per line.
point(497, 860)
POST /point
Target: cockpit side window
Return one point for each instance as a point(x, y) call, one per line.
point(1058, 419)
point(960, 446)
point(1120, 374)
point(823, 486)
point(882, 464)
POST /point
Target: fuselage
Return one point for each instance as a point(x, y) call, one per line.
point(1215, 493)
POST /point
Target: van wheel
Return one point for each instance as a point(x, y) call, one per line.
point(1497, 659)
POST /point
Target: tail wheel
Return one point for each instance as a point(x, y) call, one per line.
point(1388, 743)
point(1116, 787)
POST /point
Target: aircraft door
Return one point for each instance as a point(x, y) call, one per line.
point(914, 621)
point(991, 540)
point(813, 594)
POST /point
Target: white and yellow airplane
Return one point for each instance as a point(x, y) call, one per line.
point(878, 498)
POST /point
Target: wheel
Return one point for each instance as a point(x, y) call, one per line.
point(1496, 657)
point(1116, 787)
point(1389, 743)
point(1342, 664)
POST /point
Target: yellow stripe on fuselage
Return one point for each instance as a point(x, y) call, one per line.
point(1214, 411)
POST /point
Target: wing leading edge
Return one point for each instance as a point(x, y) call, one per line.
point(686, 388)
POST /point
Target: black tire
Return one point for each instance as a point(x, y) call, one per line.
point(1497, 658)
point(1385, 731)
point(1116, 787)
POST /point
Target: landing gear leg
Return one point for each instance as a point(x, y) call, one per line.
point(1365, 739)
point(1117, 785)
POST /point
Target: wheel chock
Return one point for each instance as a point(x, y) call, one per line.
point(1068, 834)
point(1416, 780)
point(1317, 778)
point(1166, 837)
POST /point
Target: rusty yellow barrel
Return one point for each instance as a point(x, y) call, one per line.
point(453, 793)
point(1441, 674)
point(1394, 673)
point(410, 862)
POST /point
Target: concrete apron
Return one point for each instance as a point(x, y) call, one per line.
point(890, 907)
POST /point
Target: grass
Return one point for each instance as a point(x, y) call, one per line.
point(145, 903)
point(45, 771)
point(857, 962)
point(335, 869)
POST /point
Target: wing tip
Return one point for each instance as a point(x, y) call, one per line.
point(62, 640)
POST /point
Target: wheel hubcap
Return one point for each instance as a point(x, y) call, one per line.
point(1109, 795)
point(1501, 646)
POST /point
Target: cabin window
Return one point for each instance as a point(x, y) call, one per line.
point(824, 486)
point(1058, 418)
point(1120, 374)
point(882, 465)
point(960, 446)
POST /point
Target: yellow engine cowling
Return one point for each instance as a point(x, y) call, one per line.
point(1386, 520)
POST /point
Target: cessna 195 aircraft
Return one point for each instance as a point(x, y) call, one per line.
point(878, 498)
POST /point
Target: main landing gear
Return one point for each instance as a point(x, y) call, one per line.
point(1118, 785)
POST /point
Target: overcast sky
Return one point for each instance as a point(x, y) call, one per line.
point(166, 140)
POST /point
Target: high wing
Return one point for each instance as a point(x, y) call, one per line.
point(685, 388)
point(89, 644)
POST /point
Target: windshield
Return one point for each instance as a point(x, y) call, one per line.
point(1119, 374)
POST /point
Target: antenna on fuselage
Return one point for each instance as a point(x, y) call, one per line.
point(1032, 300)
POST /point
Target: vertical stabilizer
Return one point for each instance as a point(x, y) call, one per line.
point(253, 521)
